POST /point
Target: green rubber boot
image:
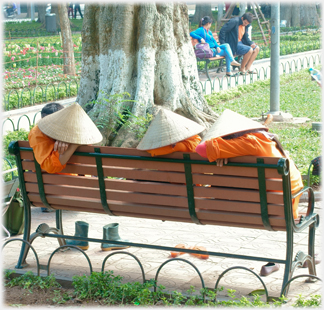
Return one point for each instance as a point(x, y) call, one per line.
point(110, 232)
point(81, 230)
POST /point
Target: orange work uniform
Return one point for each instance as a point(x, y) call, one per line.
point(43, 147)
point(187, 145)
point(255, 144)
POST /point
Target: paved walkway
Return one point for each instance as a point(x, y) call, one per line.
point(176, 275)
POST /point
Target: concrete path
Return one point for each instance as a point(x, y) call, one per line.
point(176, 275)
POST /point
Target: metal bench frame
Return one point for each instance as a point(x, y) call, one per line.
point(311, 220)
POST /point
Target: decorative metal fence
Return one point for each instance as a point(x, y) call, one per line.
point(288, 67)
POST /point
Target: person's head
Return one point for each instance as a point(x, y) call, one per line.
point(70, 125)
point(205, 22)
point(51, 108)
point(232, 125)
point(247, 19)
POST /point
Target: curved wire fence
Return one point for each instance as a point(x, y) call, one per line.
point(290, 66)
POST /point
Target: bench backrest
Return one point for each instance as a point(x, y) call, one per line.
point(165, 188)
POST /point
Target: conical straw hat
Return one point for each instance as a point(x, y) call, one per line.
point(71, 125)
point(168, 128)
point(231, 122)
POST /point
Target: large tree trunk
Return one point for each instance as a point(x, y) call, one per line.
point(308, 15)
point(202, 10)
point(28, 11)
point(68, 52)
point(285, 13)
point(295, 19)
point(144, 50)
point(41, 13)
point(54, 9)
point(299, 14)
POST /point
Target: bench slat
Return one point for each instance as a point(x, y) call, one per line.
point(130, 185)
point(236, 194)
point(240, 182)
point(236, 206)
point(116, 206)
point(126, 196)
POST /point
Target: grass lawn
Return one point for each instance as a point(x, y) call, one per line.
point(299, 95)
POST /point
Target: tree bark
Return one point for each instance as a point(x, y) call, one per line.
point(41, 13)
point(144, 50)
point(308, 15)
point(28, 11)
point(54, 10)
point(295, 18)
point(202, 10)
point(299, 14)
point(285, 13)
point(66, 34)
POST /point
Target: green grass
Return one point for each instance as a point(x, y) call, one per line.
point(299, 95)
point(108, 290)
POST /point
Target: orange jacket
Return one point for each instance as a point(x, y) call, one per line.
point(187, 145)
point(255, 144)
point(43, 147)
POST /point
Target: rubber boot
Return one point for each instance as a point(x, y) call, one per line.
point(110, 232)
point(81, 230)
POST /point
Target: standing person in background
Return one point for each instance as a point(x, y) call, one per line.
point(70, 10)
point(236, 33)
point(204, 35)
point(77, 7)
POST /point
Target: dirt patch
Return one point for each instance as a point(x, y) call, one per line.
point(17, 296)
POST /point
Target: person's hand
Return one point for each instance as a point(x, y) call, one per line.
point(218, 50)
point(202, 41)
point(221, 161)
point(253, 45)
point(61, 147)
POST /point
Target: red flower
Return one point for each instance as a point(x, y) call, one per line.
point(18, 190)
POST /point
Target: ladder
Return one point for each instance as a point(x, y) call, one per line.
point(256, 16)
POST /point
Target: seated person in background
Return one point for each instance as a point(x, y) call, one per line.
point(234, 135)
point(170, 132)
point(204, 35)
point(56, 136)
point(236, 33)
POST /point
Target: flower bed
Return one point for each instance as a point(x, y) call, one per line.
point(29, 52)
point(19, 77)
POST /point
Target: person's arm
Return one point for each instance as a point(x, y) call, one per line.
point(214, 44)
point(226, 28)
point(246, 38)
point(64, 158)
point(197, 34)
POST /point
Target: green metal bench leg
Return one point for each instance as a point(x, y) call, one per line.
point(25, 248)
point(289, 259)
point(206, 69)
point(311, 249)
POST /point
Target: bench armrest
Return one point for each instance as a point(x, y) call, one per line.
point(310, 215)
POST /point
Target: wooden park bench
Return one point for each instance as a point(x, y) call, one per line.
point(222, 62)
point(243, 193)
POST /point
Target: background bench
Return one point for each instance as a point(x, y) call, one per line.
point(222, 62)
point(240, 194)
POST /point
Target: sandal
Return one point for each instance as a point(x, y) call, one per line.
point(199, 248)
point(250, 72)
point(176, 254)
point(243, 72)
point(234, 74)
